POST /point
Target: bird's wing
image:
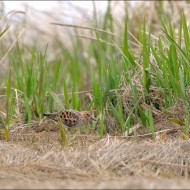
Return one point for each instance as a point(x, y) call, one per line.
point(70, 117)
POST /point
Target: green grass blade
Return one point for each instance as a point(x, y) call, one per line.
point(3, 32)
point(101, 125)
point(62, 132)
point(151, 123)
point(28, 114)
point(56, 99)
point(66, 97)
point(8, 92)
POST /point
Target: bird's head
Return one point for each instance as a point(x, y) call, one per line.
point(87, 116)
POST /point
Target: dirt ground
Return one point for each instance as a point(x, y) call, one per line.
point(39, 160)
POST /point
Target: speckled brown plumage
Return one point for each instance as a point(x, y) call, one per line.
point(71, 118)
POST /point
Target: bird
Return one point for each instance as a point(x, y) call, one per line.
point(71, 118)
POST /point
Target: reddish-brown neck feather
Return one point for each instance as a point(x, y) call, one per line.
point(85, 116)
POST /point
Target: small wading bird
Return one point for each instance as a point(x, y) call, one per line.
point(71, 118)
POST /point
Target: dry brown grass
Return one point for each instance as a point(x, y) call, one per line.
point(86, 162)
